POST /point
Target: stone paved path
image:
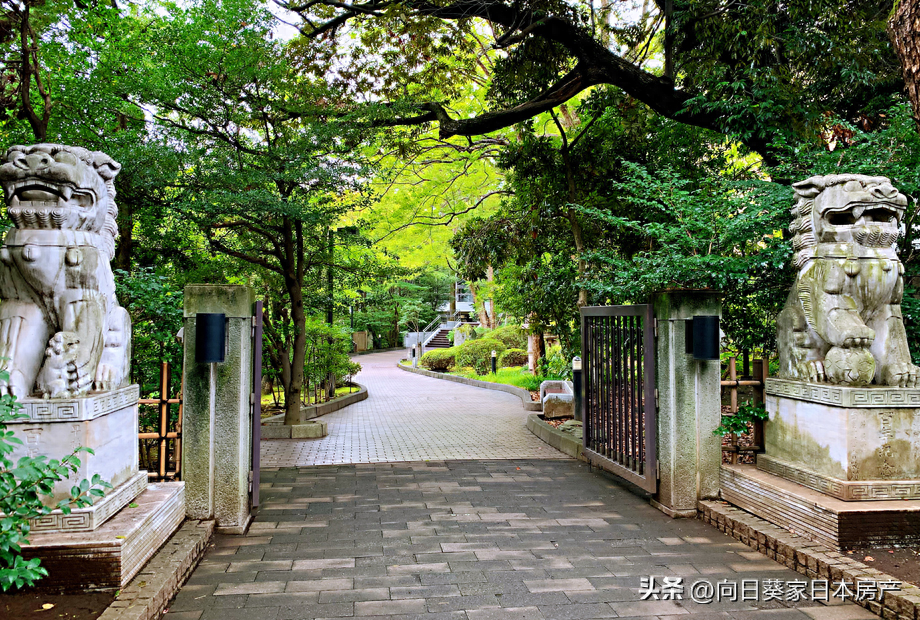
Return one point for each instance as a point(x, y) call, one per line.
point(470, 540)
point(408, 417)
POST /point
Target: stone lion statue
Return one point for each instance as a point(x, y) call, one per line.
point(62, 331)
point(842, 321)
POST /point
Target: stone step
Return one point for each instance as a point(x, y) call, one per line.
point(110, 556)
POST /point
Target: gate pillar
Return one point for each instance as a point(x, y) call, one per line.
point(689, 407)
point(217, 433)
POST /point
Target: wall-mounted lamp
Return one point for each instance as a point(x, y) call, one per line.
point(702, 337)
point(210, 337)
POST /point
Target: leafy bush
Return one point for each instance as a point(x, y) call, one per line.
point(468, 331)
point(511, 335)
point(478, 354)
point(513, 357)
point(555, 365)
point(22, 487)
point(440, 360)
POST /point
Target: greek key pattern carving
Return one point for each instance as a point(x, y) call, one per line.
point(78, 409)
point(88, 519)
point(844, 396)
point(841, 489)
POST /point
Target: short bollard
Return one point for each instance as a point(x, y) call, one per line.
point(576, 385)
point(493, 362)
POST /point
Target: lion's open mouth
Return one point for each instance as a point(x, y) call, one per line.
point(28, 191)
point(30, 194)
point(864, 215)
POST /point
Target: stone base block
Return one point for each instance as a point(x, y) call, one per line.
point(861, 490)
point(109, 556)
point(90, 518)
point(848, 434)
point(309, 430)
point(105, 422)
point(818, 517)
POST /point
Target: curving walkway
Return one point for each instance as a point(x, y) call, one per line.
point(408, 417)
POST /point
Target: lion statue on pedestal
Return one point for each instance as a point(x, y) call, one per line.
point(842, 321)
point(62, 331)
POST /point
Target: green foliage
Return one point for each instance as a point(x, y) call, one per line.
point(513, 357)
point(24, 487)
point(511, 336)
point(478, 354)
point(739, 423)
point(327, 351)
point(469, 332)
point(440, 360)
point(155, 306)
point(555, 365)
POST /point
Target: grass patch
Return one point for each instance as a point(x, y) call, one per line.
point(518, 376)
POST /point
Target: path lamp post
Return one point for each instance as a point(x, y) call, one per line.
point(576, 385)
point(493, 361)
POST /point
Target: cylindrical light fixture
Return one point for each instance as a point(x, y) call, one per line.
point(576, 386)
point(493, 361)
point(210, 337)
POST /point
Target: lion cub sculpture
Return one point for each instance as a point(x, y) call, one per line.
point(842, 321)
point(62, 331)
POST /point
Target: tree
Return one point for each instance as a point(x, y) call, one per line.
point(902, 28)
point(267, 174)
point(754, 70)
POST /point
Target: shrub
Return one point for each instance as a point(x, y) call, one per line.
point(513, 357)
point(512, 336)
point(478, 354)
point(554, 365)
point(439, 359)
point(467, 331)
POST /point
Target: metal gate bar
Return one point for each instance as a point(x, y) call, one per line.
point(618, 347)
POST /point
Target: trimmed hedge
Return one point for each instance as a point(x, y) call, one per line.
point(512, 336)
point(513, 357)
point(440, 360)
point(478, 354)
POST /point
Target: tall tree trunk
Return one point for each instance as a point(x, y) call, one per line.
point(903, 27)
point(293, 281)
point(577, 231)
point(125, 247)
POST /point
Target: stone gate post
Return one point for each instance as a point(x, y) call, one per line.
point(216, 428)
point(689, 406)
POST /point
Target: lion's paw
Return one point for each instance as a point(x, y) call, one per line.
point(900, 374)
point(107, 378)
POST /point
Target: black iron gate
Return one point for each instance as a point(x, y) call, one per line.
point(618, 407)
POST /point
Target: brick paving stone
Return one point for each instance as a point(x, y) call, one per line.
point(409, 417)
point(431, 501)
point(525, 566)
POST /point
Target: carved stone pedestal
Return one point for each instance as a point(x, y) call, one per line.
point(851, 443)
point(858, 447)
point(105, 423)
point(103, 545)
